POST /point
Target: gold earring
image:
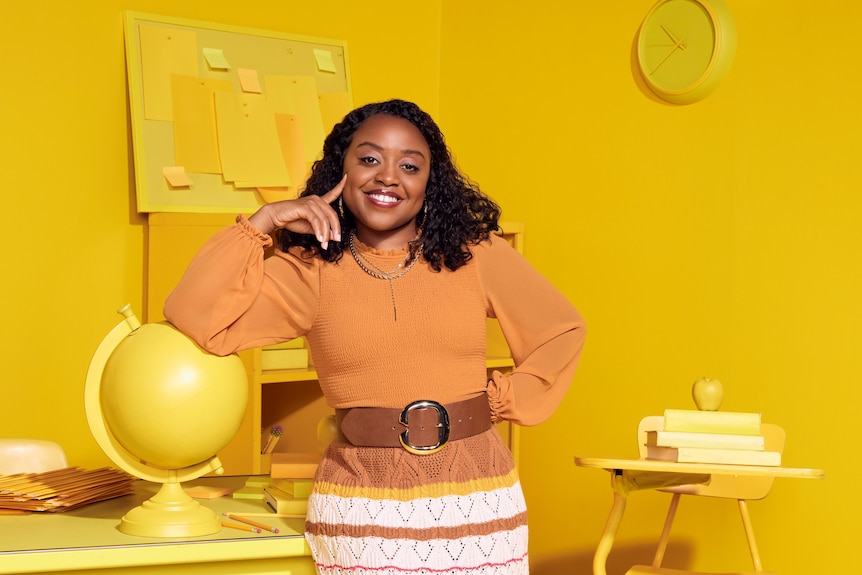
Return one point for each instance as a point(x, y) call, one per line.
point(422, 215)
point(340, 207)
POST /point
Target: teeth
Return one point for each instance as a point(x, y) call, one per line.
point(382, 198)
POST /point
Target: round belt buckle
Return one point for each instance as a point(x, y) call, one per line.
point(442, 427)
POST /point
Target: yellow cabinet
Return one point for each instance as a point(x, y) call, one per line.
point(290, 398)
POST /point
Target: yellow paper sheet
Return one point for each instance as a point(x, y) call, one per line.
point(289, 129)
point(195, 136)
point(249, 146)
point(164, 51)
point(298, 95)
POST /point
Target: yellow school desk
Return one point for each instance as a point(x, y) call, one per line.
point(629, 475)
point(86, 541)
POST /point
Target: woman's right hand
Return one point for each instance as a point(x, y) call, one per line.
point(305, 215)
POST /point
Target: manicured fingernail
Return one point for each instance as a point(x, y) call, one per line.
point(324, 245)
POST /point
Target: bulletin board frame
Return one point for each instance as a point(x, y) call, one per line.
point(183, 75)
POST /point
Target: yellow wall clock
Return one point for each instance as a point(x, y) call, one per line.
point(685, 48)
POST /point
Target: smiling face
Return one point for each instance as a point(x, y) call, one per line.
point(387, 165)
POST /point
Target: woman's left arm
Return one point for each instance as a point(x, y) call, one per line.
point(544, 331)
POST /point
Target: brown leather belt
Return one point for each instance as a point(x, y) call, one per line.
point(422, 427)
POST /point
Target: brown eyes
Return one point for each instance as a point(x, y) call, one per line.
point(372, 161)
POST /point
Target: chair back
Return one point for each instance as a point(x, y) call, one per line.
point(725, 486)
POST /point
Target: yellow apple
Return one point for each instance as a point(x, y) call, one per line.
point(707, 394)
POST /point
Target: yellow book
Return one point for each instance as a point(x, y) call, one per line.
point(248, 492)
point(294, 487)
point(714, 455)
point(698, 439)
point(257, 481)
point(742, 423)
point(283, 359)
point(280, 502)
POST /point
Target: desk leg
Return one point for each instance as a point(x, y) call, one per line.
point(749, 535)
point(665, 532)
point(610, 532)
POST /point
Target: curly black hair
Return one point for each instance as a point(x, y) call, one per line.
point(457, 213)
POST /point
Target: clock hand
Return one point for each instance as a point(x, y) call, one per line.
point(669, 34)
point(669, 54)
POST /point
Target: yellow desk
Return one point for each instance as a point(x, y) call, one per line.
point(629, 475)
point(87, 541)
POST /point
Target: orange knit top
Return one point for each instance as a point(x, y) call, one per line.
point(386, 343)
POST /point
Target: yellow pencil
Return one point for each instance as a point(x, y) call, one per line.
point(241, 527)
point(253, 523)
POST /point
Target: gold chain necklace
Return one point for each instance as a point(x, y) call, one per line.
point(380, 274)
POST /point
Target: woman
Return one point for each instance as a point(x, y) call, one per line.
point(389, 266)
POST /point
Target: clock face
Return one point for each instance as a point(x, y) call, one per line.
point(684, 47)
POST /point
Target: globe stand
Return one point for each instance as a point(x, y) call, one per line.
point(159, 407)
point(170, 513)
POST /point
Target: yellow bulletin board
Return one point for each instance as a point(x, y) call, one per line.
point(225, 119)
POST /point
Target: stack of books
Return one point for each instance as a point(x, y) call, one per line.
point(287, 496)
point(292, 354)
point(725, 437)
point(291, 476)
point(253, 488)
point(62, 489)
point(283, 496)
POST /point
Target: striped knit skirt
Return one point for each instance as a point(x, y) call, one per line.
point(385, 511)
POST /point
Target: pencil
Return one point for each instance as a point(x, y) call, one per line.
point(241, 527)
point(253, 523)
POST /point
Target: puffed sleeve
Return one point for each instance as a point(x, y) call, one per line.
point(231, 297)
point(544, 331)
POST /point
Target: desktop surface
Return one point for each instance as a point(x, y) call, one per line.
point(88, 537)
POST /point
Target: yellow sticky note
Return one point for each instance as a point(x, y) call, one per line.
point(248, 80)
point(216, 59)
point(177, 176)
point(206, 491)
point(324, 60)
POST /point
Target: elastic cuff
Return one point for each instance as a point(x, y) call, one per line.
point(496, 389)
point(248, 229)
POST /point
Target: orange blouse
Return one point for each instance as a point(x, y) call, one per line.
point(386, 343)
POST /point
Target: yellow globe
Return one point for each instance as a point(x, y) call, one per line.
point(167, 401)
point(161, 408)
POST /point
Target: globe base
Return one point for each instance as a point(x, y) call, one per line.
point(170, 513)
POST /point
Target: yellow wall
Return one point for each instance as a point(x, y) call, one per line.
point(714, 239)
point(717, 239)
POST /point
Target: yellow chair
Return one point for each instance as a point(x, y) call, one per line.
point(740, 488)
point(30, 456)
